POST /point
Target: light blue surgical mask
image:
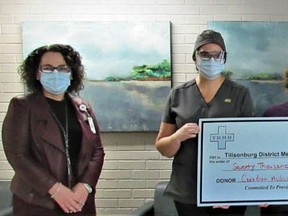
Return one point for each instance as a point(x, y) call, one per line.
point(210, 69)
point(55, 82)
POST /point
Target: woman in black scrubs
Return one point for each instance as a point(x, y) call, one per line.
point(209, 95)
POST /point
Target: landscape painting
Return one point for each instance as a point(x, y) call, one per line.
point(127, 64)
point(256, 57)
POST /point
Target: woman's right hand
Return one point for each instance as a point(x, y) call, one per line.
point(187, 131)
point(65, 198)
point(170, 137)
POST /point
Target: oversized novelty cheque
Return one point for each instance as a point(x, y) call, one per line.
point(242, 161)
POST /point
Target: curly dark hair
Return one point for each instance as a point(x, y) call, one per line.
point(30, 66)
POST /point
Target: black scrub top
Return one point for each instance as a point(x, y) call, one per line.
point(186, 104)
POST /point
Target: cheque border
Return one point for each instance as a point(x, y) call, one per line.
point(201, 149)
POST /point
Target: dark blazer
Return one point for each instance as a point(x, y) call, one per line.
point(34, 147)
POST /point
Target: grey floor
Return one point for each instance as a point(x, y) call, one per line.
point(252, 211)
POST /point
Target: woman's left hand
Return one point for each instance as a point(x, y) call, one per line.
point(222, 206)
point(264, 205)
point(81, 193)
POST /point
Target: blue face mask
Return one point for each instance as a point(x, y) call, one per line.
point(210, 69)
point(55, 82)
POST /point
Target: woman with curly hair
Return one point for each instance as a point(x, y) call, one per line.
point(51, 137)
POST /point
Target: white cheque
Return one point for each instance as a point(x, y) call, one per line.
point(242, 161)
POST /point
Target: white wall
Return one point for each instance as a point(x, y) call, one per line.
point(132, 165)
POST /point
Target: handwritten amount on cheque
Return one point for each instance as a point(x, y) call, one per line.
point(253, 165)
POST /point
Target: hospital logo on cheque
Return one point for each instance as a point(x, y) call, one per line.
point(222, 137)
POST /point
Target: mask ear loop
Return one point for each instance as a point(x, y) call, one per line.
point(83, 108)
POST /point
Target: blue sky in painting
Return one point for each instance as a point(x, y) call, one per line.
point(107, 48)
point(254, 47)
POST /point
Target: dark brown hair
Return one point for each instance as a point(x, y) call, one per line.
point(286, 77)
point(30, 66)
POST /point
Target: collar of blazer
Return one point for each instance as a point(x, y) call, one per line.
point(46, 125)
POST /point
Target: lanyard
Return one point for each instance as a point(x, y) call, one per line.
point(66, 140)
